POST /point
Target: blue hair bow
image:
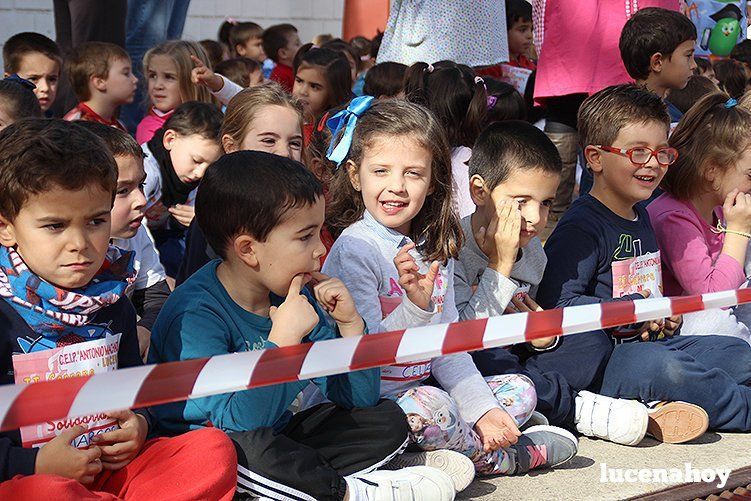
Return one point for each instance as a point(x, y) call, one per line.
point(345, 119)
point(730, 103)
point(20, 81)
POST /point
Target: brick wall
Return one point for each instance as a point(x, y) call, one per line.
point(204, 17)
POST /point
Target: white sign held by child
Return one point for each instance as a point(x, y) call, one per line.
point(638, 274)
point(518, 77)
point(80, 359)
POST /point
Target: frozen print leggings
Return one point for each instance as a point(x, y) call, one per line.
point(434, 420)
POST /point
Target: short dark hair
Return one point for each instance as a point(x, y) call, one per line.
point(240, 33)
point(375, 44)
point(603, 114)
point(238, 70)
point(504, 102)
point(697, 87)
point(275, 38)
point(21, 44)
point(37, 155)
point(702, 65)
point(18, 101)
point(732, 77)
point(91, 59)
point(214, 50)
point(195, 117)
point(512, 145)
point(649, 31)
point(120, 144)
point(248, 192)
point(385, 79)
point(742, 52)
point(517, 10)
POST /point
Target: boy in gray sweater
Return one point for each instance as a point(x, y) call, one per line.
point(514, 173)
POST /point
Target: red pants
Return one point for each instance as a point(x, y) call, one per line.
point(201, 464)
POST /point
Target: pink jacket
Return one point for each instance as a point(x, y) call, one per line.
point(692, 259)
point(577, 42)
point(152, 122)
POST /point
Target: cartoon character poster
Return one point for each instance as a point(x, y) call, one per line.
point(720, 25)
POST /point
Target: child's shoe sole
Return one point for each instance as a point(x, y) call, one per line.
point(456, 465)
point(677, 422)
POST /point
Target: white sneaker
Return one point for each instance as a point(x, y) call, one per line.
point(614, 419)
point(456, 465)
point(418, 483)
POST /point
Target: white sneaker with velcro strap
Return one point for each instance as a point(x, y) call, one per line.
point(614, 419)
point(417, 483)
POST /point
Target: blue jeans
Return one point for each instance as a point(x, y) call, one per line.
point(710, 371)
point(149, 23)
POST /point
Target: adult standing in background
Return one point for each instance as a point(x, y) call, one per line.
point(468, 32)
point(149, 23)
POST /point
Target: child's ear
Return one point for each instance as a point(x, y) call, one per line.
point(240, 50)
point(354, 175)
point(594, 158)
point(99, 83)
point(655, 62)
point(228, 144)
point(7, 235)
point(478, 190)
point(168, 141)
point(244, 247)
point(6, 74)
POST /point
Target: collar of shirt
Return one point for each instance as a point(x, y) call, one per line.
point(387, 234)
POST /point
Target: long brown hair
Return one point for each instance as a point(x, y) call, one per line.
point(714, 132)
point(436, 227)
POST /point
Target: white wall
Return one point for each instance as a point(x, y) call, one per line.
point(204, 16)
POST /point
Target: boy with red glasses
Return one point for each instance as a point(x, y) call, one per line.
point(604, 249)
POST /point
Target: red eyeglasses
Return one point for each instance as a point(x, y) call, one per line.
point(641, 154)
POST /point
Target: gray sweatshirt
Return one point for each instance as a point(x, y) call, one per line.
point(362, 257)
point(482, 292)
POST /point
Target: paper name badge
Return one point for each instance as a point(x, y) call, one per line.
point(638, 274)
point(81, 359)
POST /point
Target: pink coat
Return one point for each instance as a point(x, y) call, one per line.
point(579, 44)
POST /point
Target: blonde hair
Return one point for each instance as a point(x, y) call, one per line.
point(243, 107)
point(180, 51)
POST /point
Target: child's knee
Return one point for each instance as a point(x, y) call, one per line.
point(516, 393)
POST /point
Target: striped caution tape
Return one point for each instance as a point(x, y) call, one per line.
point(137, 387)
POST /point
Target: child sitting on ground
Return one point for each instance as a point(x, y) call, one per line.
point(63, 292)
point(280, 44)
point(150, 289)
point(175, 160)
point(103, 81)
point(514, 173)
point(263, 213)
point(392, 196)
point(703, 220)
point(604, 249)
point(17, 101)
point(36, 58)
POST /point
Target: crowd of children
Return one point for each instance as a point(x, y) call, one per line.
point(349, 196)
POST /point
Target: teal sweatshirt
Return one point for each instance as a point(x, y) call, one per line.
point(200, 319)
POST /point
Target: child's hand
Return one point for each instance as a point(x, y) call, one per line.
point(203, 75)
point(419, 287)
point(334, 297)
point(183, 213)
point(294, 318)
point(497, 430)
point(672, 324)
point(58, 457)
point(737, 211)
point(500, 240)
point(123, 445)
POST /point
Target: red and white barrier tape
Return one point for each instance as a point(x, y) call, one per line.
point(137, 387)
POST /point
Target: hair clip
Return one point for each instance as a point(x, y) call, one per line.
point(491, 101)
point(232, 21)
point(730, 103)
point(478, 79)
point(322, 122)
point(429, 68)
point(346, 120)
point(20, 81)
